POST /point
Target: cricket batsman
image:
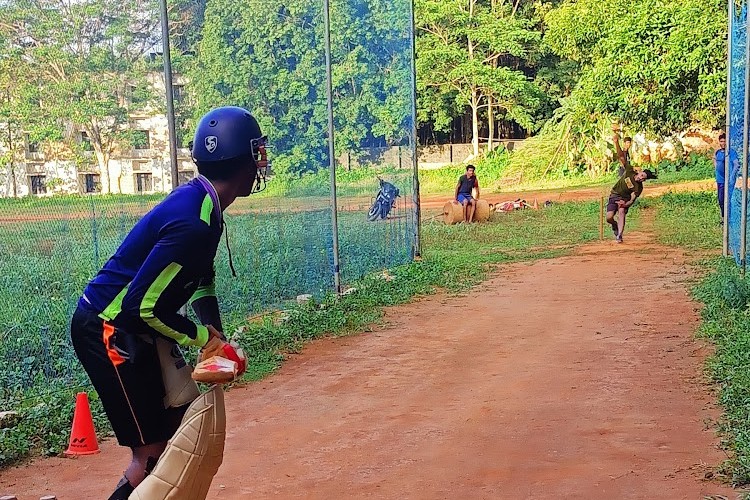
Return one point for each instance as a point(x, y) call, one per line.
point(166, 261)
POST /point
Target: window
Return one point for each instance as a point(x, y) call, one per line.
point(185, 176)
point(86, 142)
point(141, 139)
point(143, 183)
point(38, 184)
point(178, 93)
point(91, 183)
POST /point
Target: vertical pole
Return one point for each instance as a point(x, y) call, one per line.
point(12, 157)
point(727, 162)
point(331, 149)
point(169, 91)
point(743, 214)
point(601, 218)
point(415, 173)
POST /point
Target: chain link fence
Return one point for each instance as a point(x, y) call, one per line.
point(282, 241)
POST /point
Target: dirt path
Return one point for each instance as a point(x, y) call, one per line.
point(545, 382)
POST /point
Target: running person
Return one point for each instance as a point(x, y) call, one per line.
point(166, 261)
point(466, 185)
point(626, 190)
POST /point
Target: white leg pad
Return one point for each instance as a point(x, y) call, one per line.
point(215, 453)
point(180, 464)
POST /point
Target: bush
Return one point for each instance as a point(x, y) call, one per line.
point(695, 167)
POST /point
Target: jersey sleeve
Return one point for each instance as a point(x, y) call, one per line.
point(167, 271)
point(205, 303)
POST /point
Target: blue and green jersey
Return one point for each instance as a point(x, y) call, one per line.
point(166, 261)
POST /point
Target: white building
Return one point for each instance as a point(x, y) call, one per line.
point(140, 169)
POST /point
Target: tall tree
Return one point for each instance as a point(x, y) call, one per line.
point(658, 65)
point(271, 60)
point(463, 50)
point(88, 61)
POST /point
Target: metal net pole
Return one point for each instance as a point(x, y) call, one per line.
point(417, 207)
point(727, 162)
point(331, 148)
point(743, 210)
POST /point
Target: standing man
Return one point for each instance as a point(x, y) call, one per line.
point(734, 165)
point(624, 193)
point(466, 185)
point(166, 261)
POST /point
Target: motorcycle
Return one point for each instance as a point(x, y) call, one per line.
point(384, 201)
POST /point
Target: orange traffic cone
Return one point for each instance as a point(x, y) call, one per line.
point(83, 435)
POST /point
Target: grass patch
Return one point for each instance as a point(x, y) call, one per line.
point(688, 220)
point(726, 323)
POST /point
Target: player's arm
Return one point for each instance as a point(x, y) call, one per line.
point(618, 149)
point(206, 305)
point(633, 197)
point(165, 271)
point(476, 185)
point(458, 186)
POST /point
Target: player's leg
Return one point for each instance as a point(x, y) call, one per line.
point(465, 205)
point(612, 209)
point(472, 207)
point(125, 371)
point(621, 222)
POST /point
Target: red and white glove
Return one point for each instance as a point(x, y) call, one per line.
point(218, 346)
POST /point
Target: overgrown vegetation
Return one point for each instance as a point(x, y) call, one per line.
point(563, 69)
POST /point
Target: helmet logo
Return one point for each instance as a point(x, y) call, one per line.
point(211, 143)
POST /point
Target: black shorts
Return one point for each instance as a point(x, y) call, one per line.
point(125, 371)
point(612, 203)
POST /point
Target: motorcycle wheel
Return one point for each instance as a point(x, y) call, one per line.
point(374, 212)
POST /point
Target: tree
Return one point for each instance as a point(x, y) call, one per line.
point(657, 65)
point(469, 53)
point(88, 61)
point(271, 60)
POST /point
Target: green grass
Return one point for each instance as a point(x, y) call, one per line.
point(726, 323)
point(688, 220)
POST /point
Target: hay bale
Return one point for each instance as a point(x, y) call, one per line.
point(453, 212)
point(482, 212)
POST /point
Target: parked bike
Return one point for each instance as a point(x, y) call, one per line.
point(384, 201)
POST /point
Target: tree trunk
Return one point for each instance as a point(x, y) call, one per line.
point(474, 93)
point(475, 122)
point(12, 165)
point(103, 161)
point(490, 123)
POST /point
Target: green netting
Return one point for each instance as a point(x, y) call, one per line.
point(282, 240)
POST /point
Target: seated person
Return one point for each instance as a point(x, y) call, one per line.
point(466, 184)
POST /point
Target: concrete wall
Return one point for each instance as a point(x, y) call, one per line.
point(428, 156)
